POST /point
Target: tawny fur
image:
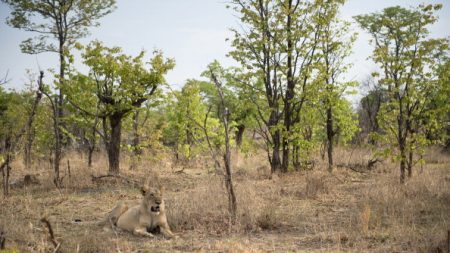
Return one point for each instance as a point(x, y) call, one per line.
point(148, 215)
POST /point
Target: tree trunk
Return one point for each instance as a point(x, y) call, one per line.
point(296, 157)
point(330, 134)
point(113, 143)
point(276, 162)
point(92, 143)
point(402, 149)
point(232, 204)
point(56, 161)
point(28, 146)
point(402, 167)
point(90, 152)
point(239, 135)
point(289, 93)
point(57, 151)
point(58, 115)
point(447, 142)
point(5, 167)
point(410, 163)
point(228, 179)
point(136, 150)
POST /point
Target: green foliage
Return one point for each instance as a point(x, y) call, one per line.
point(44, 18)
point(242, 110)
point(117, 83)
point(346, 121)
point(187, 113)
point(411, 78)
point(12, 109)
point(334, 47)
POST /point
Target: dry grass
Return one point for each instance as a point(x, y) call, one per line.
point(311, 211)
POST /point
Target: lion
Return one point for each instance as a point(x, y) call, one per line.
point(147, 216)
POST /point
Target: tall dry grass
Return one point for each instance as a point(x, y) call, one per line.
point(300, 211)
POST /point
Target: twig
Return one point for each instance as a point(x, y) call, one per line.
point(448, 240)
point(113, 228)
point(2, 239)
point(57, 248)
point(350, 166)
point(128, 180)
point(52, 235)
point(68, 167)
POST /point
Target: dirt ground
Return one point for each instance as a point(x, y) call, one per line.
point(301, 211)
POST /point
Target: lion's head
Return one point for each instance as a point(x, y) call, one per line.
point(152, 198)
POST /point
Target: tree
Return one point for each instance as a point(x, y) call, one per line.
point(276, 49)
point(444, 78)
point(13, 127)
point(242, 111)
point(255, 50)
point(407, 57)
point(334, 47)
point(224, 117)
point(369, 107)
point(186, 115)
point(119, 84)
point(65, 21)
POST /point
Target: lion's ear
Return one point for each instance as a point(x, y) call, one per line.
point(144, 190)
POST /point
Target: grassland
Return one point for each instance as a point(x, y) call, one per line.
point(302, 211)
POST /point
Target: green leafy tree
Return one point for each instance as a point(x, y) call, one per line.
point(80, 91)
point(189, 118)
point(64, 21)
point(118, 84)
point(276, 48)
point(444, 100)
point(407, 58)
point(334, 46)
point(13, 126)
point(242, 111)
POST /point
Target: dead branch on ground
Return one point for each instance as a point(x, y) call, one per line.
point(2, 239)
point(51, 238)
point(130, 181)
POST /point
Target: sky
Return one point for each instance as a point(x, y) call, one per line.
point(193, 32)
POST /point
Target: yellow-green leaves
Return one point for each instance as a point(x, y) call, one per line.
point(409, 77)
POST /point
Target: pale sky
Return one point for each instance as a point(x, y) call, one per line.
point(193, 32)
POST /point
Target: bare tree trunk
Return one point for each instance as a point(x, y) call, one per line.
point(58, 115)
point(239, 134)
point(410, 163)
point(330, 135)
point(232, 204)
point(5, 167)
point(296, 156)
point(57, 152)
point(228, 180)
point(31, 131)
point(402, 168)
point(136, 150)
point(402, 149)
point(275, 162)
point(90, 153)
point(289, 91)
point(91, 145)
point(113, 144)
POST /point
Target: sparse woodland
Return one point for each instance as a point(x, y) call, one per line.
point(266, 156)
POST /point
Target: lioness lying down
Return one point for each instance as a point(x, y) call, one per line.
point(147, 216)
